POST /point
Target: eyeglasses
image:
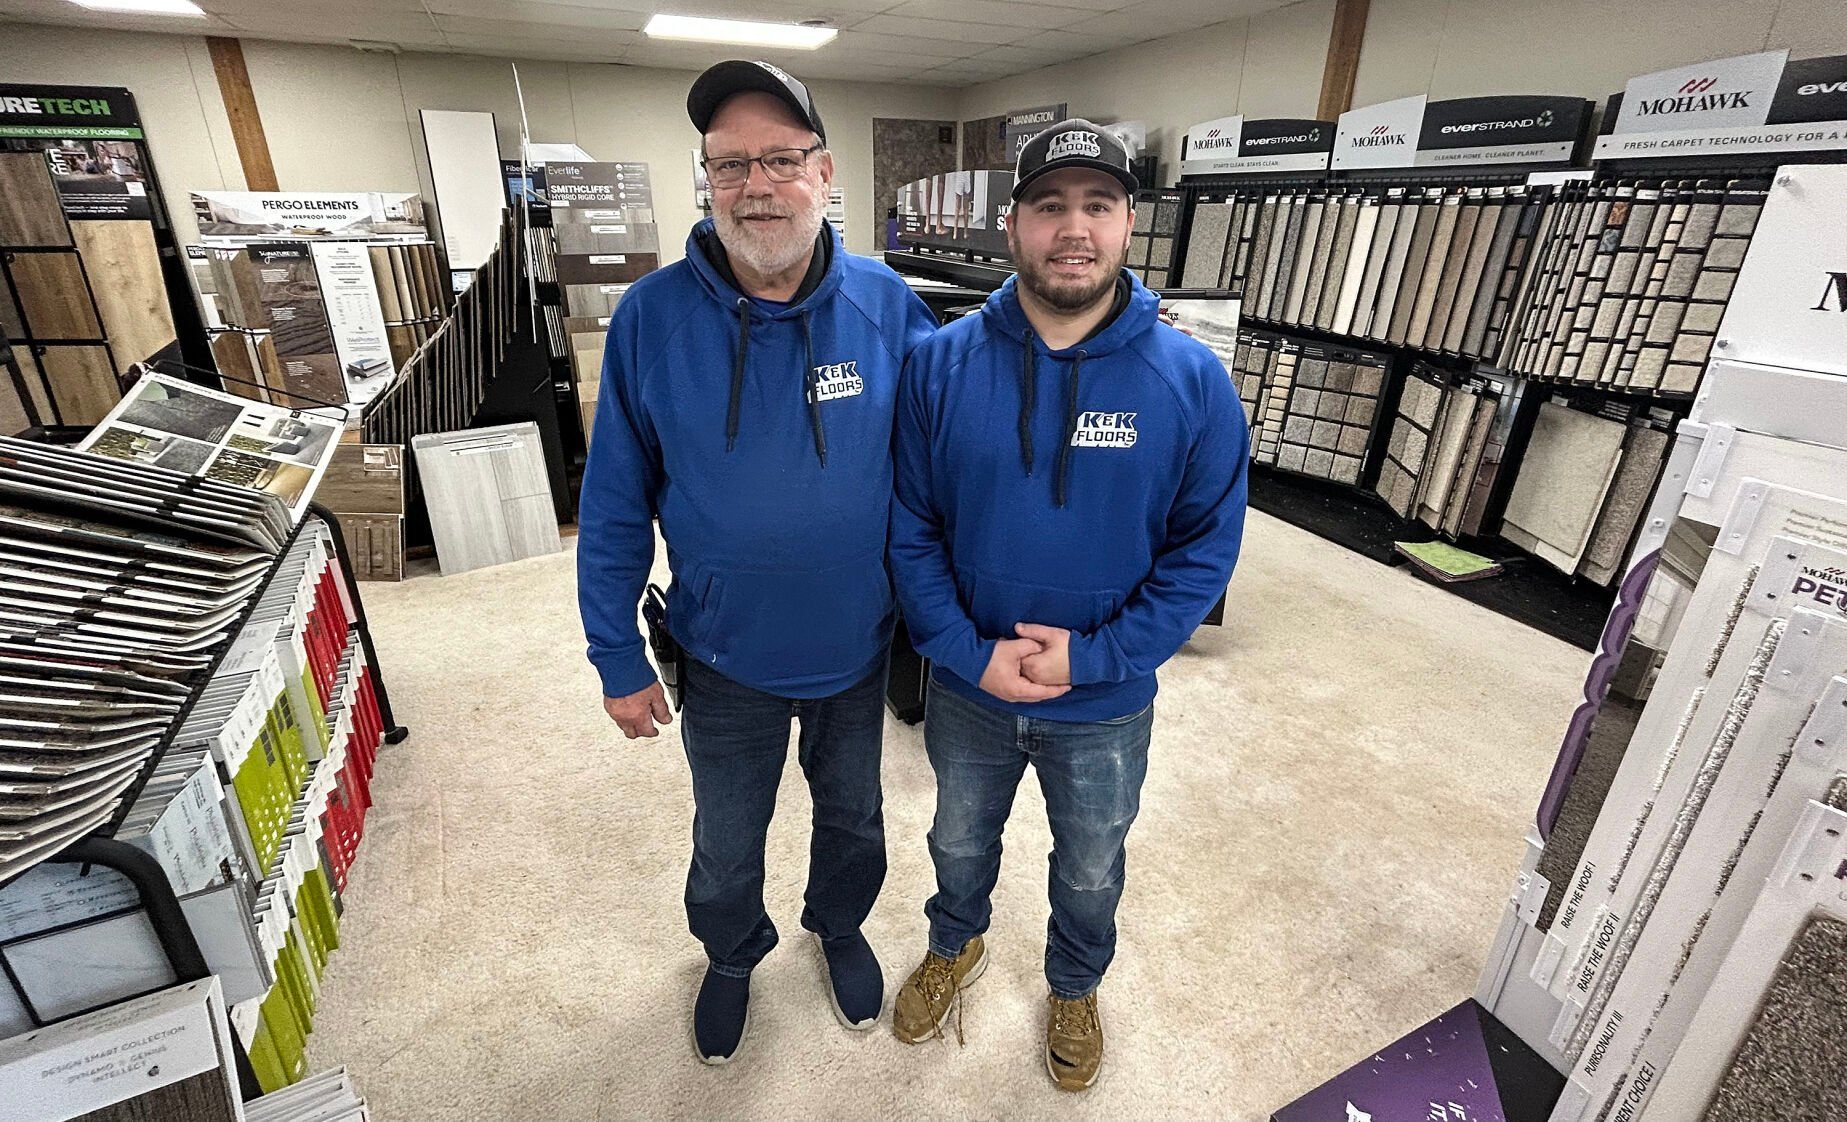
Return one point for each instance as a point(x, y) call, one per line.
point(781, 166)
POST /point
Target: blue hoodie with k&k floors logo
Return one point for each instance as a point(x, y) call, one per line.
point(1098, 488)
point(760, 435)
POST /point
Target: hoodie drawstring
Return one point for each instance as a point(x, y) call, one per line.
point(737, 374)
point(1028, 393)
point(1062, 475)
point(812, 384)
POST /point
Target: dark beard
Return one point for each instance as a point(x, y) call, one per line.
point(1066, 298)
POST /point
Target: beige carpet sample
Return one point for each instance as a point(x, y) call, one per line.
point(1563, 479)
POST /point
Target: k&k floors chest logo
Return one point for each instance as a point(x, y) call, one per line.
point(1104, 430)
point(1077, 142)
point(838, 380)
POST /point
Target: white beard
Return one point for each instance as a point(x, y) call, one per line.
point(770, 253)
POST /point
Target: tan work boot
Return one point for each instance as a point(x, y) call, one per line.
point(924, 1004)
point(1073, 1042)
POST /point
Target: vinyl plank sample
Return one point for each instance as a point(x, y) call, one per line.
point(83, 383)
point(133, 299)
point(53, 298)
point(1563, 479)
point(30, 213)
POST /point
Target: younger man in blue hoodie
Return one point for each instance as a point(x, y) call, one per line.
point(1070, 491)
point(747, 403)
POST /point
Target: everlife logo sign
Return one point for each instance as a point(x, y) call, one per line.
point(1077, 142)
point(1104, 430)
point(838, 380)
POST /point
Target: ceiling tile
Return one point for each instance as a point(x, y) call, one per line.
point(505, 46)
point(992, 34)
point(528, 29)
point(1006, 13)
point(1025, 56)
point(385, 25)
point(1154, 19)
point(555, 15)
point(923, 49)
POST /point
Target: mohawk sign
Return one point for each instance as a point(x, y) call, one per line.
point(1749, 104)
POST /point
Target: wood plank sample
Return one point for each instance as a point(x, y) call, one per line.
point(53, 298)
point(133, 295)
point(82, 382)
point(30, 213)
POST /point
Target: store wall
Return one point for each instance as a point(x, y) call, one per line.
point(340, 119)
point(1467, 48)
point(1270, 65)
point(1265, 66)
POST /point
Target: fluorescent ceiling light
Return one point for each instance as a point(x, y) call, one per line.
point(143, 7)
point(750, 33)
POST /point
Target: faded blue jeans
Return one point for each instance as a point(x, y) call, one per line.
point(1091, 775)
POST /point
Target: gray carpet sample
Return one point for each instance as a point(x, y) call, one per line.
point(1590, 785)
point(1793, 1063)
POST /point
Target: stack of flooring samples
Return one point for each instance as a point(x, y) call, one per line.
point(271, 319)
point(1152, 241)
point(1629, 282)
point(1696, 946)
point(1434, 269)
point(1582, 487)
point(119, 581)
point(1313, 408)
point(1446, 444)
point(364, 485)
point(86, 299)
point(606, 238)
point(489, 495)
point(162, 1055)
point(328, 1096)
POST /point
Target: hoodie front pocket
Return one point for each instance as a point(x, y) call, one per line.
point(799, 623)
point(996, 605)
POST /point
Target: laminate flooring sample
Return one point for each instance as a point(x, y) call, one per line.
point(53, 298)
point(1436, 264)
point(133, 298)
point(30, 213)
point(1564, 476)
point(82, 381)
point(1384, 230)
point(1391, 278)
point(488, 494)
point(1205, 249)
point(1313, 215)
point(1644, 454)
point(1792, 1062)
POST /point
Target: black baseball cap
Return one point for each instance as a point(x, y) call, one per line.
point(738, 76)
point(1075, 143)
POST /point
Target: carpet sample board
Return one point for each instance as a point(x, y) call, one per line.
point(30, 213)
point(1408, 450)
point(1445, 563)
point(132, 300)
point(1644, 455)
point(1205, 250)
point(1563, 479)
point(1793, 1061)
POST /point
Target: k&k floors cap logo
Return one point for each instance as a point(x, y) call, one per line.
point(1077, 142)
point(833, 381)
point(1104, 430)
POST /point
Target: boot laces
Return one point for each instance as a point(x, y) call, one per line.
point(1074, 1018)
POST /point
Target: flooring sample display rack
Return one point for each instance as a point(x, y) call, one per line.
point(107, 212)
point(1671, 948)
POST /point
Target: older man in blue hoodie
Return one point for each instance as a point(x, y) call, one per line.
point(1070, 501)
point(747, 403)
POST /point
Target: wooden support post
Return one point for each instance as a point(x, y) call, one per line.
point(1343, 64)
point(241, 105)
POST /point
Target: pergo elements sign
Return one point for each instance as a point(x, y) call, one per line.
point(1417, 132)
point(1235, 145)
point(1744, 105)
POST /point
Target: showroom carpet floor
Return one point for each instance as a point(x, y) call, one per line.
point(1332, 819)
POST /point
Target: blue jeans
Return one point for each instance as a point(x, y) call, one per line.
point(1091, 775)
point(737, 740)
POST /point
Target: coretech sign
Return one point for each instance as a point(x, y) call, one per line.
point(1233, 145)
point(1416, 132)
point(68, 112)
point(1743, 105)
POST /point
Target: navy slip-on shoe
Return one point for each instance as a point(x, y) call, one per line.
point(721, 1017)
point(855, 983)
